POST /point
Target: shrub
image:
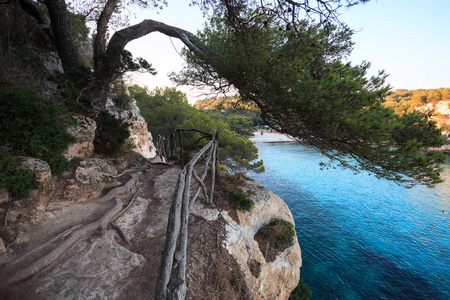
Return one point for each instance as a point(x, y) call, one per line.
point(243, 201)
point(279, 232)
point(111, 133)
point(19, 182)
point(35, 126)
point(69, 84)
point(301, 292)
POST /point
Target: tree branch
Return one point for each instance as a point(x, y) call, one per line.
point(122, 37)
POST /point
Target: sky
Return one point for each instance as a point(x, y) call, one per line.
point(409, 39)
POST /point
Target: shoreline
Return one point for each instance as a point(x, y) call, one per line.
point(269, 137)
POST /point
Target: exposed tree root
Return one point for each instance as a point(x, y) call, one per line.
point(78, 233)
point(121, 189)
point(17, 236)
point(117, 176)
point(45, 245)
point(121, 233)
point(83, 232)
point(129, 205)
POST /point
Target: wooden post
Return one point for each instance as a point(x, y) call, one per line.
point(182, 246)
point(176, 289)
point(214, 164)
point(173, 226)
point(181, 148)
point(205, 171)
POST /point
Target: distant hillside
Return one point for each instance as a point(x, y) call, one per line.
point(436, 101)
point(224, 103)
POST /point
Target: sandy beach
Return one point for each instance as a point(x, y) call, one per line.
point(269, 137)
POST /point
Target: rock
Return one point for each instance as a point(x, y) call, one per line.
point(134, 216)
point(99, 163)
point(209, 214)
point(88, 175)
point(443, 107)
point(165, 184)
point(51, 61)
point(278, 278)
point(139, 137)
point(84, 132)
point(98, 270)
point(4, 195)
point(92, 170)
point(40, 168)
point(3, 254)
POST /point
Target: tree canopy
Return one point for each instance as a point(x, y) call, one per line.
point(299, 81)
point(285, 56)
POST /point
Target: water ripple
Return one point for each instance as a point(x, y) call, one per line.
point(362, 238)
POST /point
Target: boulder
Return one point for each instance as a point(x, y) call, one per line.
point(84, 132)
point(51, 61)
point(92, 170)
point(40, 168)
point(276, 279)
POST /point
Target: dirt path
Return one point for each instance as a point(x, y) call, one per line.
point(105, 266)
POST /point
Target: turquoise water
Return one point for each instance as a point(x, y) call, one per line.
point(362, 238)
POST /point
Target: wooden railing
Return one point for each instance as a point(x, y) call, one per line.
point(172, 146)
point(177, 227)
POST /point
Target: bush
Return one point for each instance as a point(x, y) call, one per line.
point(69, 84)
point(111, 133)
point(35, 126)
point(19, 182)
point(243, 201)
point(279, 232)
point(301, 292)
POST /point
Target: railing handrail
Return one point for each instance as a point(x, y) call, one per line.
point(177, 225)
point(166, 146)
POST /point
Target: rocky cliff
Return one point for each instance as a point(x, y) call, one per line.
point(69, 241)
point(225, 261)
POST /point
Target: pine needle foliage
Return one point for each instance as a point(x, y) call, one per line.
point(304, 88)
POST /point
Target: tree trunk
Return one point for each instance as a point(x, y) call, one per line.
point(99, 45)
point(67, 50)
point(36, 12)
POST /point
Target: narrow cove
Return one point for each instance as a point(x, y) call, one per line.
point(362, 238)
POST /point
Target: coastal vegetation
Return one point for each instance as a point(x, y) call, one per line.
point(33, 125)
point(301, 291)
point(167, 109)
point(272, 56)
point(433, 102)
point(406, 101)
point(243, 200)
point(284, 68)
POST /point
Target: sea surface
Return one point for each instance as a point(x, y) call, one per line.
point(361, 237)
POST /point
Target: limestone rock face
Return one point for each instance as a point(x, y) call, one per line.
point(92, 170)
point(443, 107)
point(139, 138)
point(278, 278)
point(84, 132)
point(40, 168)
